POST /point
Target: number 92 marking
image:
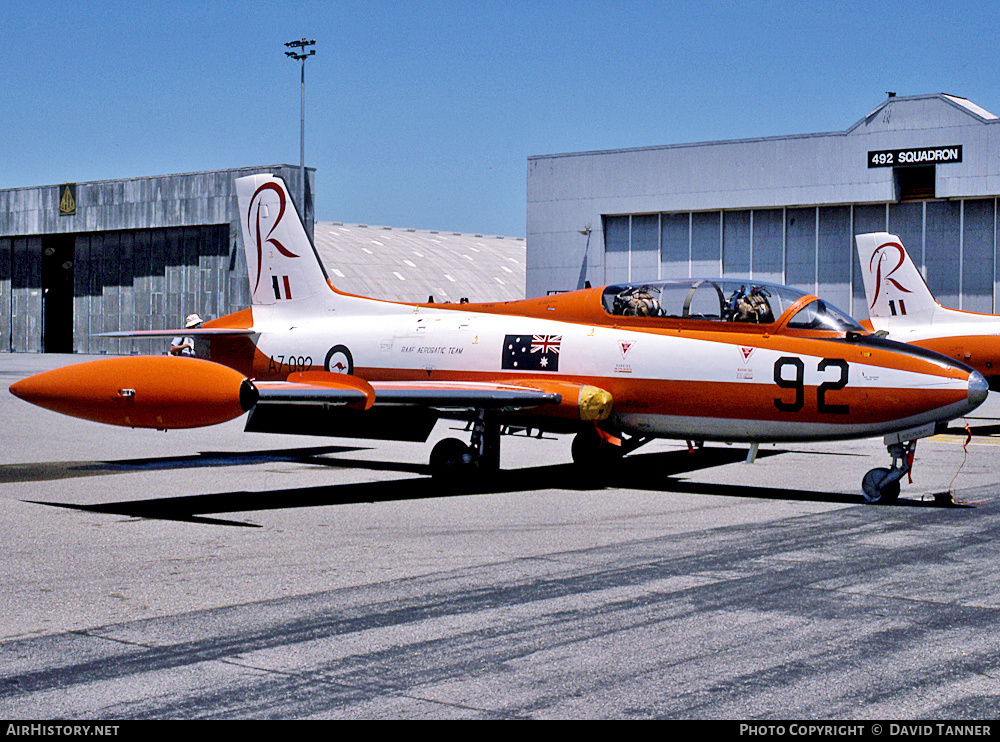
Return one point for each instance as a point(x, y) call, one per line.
point(797, 385)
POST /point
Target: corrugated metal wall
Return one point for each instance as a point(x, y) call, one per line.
point(137, 254)
point(954, 243)
point(151, 280)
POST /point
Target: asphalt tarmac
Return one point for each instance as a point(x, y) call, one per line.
point(219, 574)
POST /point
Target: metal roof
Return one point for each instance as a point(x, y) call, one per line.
point(410, 265)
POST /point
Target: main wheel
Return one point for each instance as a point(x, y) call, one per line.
point(452, 461)
point(875, 488)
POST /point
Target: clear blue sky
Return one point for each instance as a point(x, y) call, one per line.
point(423, 113)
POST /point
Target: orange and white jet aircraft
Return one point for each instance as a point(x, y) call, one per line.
point(902, 307)
point(702, 360)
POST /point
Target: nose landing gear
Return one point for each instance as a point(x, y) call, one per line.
point(881, 485)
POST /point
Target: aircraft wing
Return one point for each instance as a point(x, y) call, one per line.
point(329, 404)
point(454, 394)
point(327, 388)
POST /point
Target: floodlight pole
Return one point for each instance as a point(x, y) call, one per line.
point(302, 44)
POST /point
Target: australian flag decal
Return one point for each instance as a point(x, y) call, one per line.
point(531, 352)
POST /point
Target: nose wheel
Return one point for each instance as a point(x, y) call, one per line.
point(878, 486)
point(881, 485)
point(595, 453)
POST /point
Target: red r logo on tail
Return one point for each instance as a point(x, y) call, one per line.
point(253, 225)
point(881, 254)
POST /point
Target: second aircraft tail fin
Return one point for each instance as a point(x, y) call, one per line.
point(893, 284)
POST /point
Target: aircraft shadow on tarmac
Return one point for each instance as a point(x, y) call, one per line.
point(651, 472)
point(977, 430)
point(50, 470)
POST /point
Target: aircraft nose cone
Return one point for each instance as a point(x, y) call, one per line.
point(979, 389)
point(23, 389)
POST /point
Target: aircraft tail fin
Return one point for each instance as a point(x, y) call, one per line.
point(894, 286)
point(284, 268)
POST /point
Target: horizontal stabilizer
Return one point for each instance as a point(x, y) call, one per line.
point(202, 332)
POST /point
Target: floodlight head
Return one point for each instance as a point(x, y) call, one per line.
point(301, 44)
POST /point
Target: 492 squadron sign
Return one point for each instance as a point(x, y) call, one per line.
point(915, 156)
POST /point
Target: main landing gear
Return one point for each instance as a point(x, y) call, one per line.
point(881, 485)
point(454, 462)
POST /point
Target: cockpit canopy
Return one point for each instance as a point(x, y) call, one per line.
point(724, 300)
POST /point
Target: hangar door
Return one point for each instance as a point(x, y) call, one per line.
point(57, 293)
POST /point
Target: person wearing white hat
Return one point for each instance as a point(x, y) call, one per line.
point(184, 346)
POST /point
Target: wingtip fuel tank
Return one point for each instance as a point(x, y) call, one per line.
point(161, 392)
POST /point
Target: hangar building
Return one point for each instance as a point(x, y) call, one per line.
point(781, 209)
point(79, 259)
